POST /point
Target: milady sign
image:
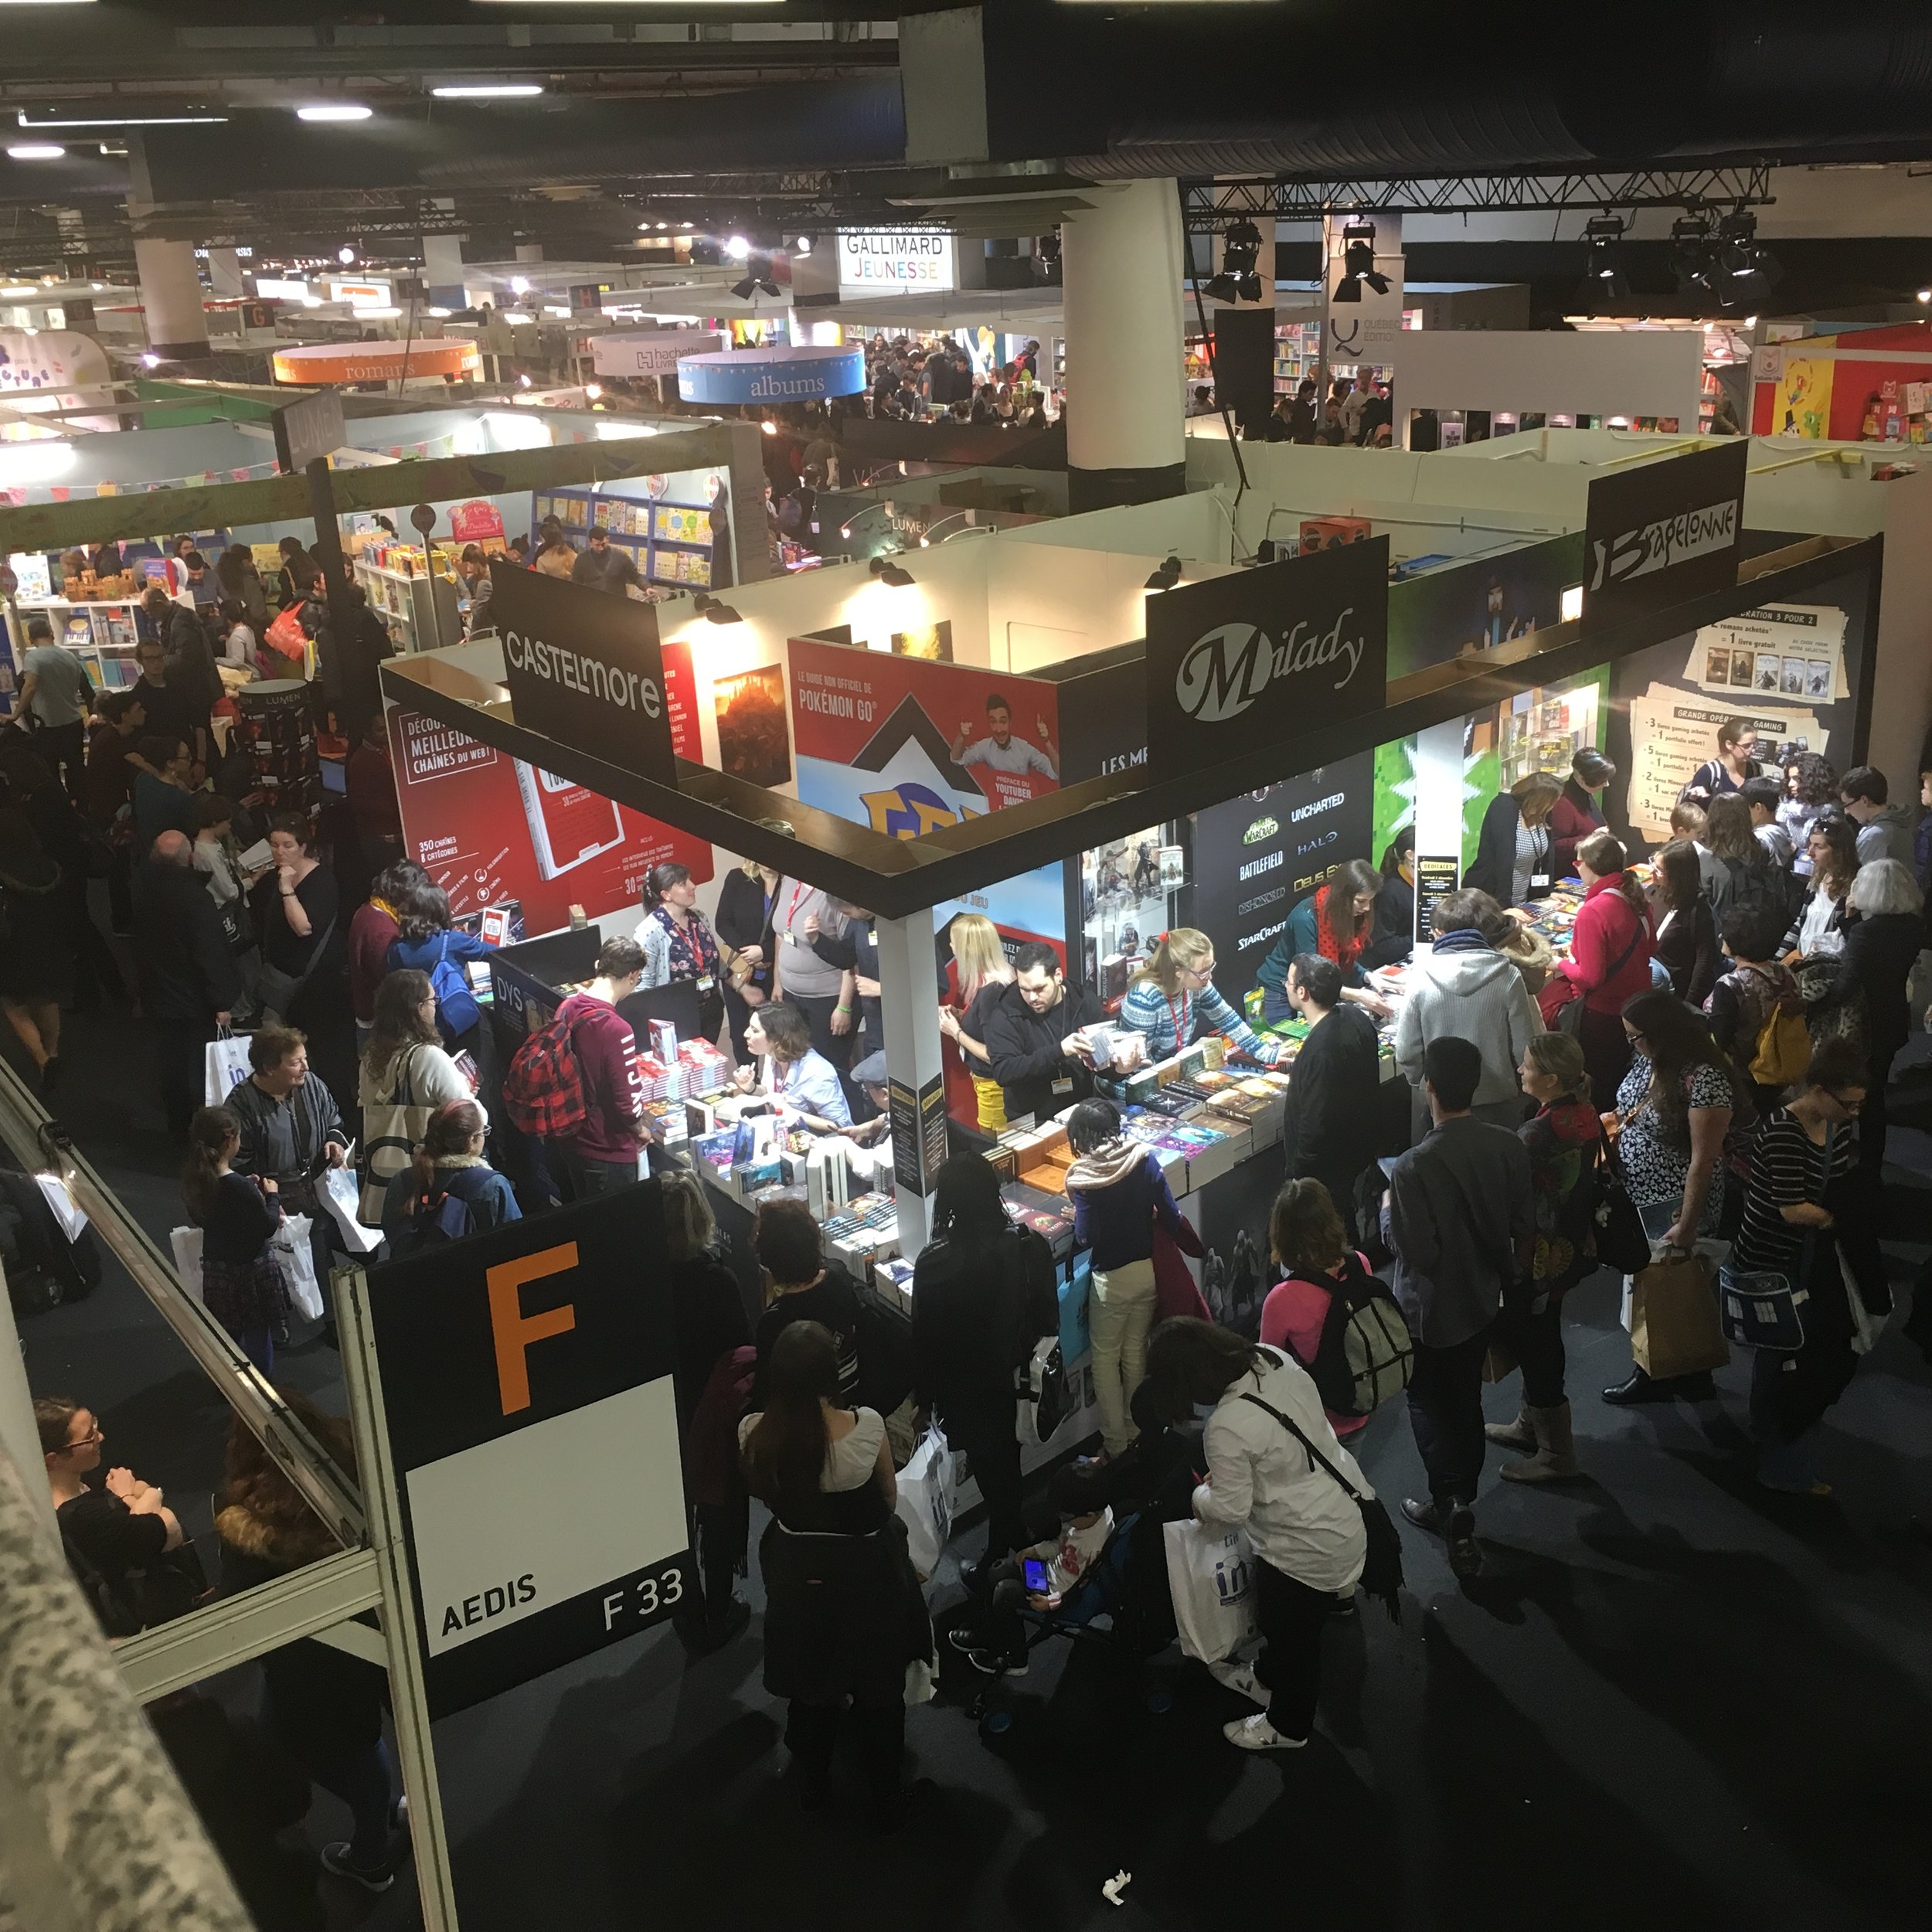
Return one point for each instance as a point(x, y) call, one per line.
point(1236, 663)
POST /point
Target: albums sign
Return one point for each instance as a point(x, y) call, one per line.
point(585, 668)
point(1238, 663)
point(1664, 532)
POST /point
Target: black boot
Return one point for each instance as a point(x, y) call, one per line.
point(1638, 1388)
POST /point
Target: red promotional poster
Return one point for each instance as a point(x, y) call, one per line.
point(471, 522)
point(905, 744)
point(488, 828)
point(681, 700)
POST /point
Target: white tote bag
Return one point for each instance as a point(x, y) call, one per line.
point(926, 1502)
point(186, 1243)
point(296, 1259)
point(337, 1191)
point(227, 1065)
point(1211, 1573)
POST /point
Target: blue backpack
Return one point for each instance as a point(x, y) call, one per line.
point(435, 1219)
point(456, 1005)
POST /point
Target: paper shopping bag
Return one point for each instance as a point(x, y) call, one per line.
point(339, 1194)
point(1675, 1329)
point(296, 1260)
point(226, 1061)
point(1210, 1571)
point(926, 1502)
point(186, 1243)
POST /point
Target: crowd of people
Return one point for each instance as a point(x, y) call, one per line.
point(1357, 410)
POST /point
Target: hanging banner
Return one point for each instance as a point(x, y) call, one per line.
point(1237, 663)
point(491, 829)
point(524, 1363)
point(1662, 533)
point(584, 667)
point(649, 352)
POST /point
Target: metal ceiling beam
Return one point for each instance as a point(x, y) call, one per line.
point(1207, 206)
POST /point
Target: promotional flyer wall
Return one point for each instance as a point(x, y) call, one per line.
point(1257, 856)
point(489, 828)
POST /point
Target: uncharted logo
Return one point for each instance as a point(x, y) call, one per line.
point(1658, 546)
point(1226, 669)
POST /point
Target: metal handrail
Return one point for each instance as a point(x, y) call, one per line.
point(41, 1146)
point(99, 1835)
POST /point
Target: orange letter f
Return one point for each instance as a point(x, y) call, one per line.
point(514, 1330)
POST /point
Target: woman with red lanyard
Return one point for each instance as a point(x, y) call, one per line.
point(679, 946)
point(1609, 962)
point(1337, 921)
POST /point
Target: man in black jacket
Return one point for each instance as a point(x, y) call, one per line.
point(1336, 1081)
point(1033, 1037)
point(190, 980)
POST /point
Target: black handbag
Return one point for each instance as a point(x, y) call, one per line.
point(1621, 1242)
point(1382, 1568)
point(1569, 1015)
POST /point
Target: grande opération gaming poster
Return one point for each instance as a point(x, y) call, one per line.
point(490, 828)
point(907, 745)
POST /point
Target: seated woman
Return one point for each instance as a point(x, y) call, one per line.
point(1334, 920)
point(844, 1617)
point(794, 1073)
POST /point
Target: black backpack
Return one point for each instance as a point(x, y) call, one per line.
point(52, 1269)
point(433, 1219)
point(1366, 1353)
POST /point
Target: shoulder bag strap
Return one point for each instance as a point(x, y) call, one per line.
point(1623, 958)
point(1315, 1454)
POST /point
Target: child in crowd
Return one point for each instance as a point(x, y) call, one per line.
point(1080, 1492)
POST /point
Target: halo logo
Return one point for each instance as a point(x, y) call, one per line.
point(1225, 670)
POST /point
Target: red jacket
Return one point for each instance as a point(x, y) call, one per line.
point(370, 933)
point(1573, 818)
point(607, 1050)
point(1603, 930)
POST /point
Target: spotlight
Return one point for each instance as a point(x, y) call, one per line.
point(769, 426)
point(1165, 576)
point(1925, 294)
point(592, 391)
point(1690, 255)
point(345, 254)
point(888, 571)
point(1046, 249)
point(1745, 270)
point(519, 284)
point(1359, 263)
point(758, 275)
point(1603, 278)
point(802, 245)
point(715, 609)
point(1240, 251)
point(737, 248)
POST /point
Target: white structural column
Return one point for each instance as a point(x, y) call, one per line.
point(225, 274)
point(908, 1000)
point(1438, 802)
point(443, 270)
point(1121, 271)
point(171, 301)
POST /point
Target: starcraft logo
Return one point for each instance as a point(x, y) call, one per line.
point(910, 811)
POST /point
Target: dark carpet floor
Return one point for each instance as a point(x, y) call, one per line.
point(1673, 1700)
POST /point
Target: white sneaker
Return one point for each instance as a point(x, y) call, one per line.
point(1240, 1679)
point(1256, 1733)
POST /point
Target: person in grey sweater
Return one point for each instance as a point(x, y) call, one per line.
point(1886, 831)
point(1459, 1217)
point(1468, 990)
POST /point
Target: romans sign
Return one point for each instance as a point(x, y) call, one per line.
point(584, 667)
point(1239, 663)
point(527, 1392)
point(1664, 532)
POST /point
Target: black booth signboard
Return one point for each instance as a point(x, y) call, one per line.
point(1664, 532)
point(584, 667)
point(526, 1380)
point(1239, 663)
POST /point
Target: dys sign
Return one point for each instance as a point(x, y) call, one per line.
point(1239, 663)
point(585, 668)
point(526, 1386)
point(1664, 532)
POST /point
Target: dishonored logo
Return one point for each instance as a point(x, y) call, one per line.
point(1670, 540)
point(1226, 670)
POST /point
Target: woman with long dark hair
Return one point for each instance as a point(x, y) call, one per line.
point(1674, 1108)
point(680, 949)
point(1740, 872)
point(428, 940)
point(983, 1293)
point(844, 1616)
point(1610, 949)
point(1394, 935)
point(1336, 921)
point(1686, 931)
point(403, 1076)
point(1831, 851)
point(1810, 789)
point(300, 574)
point(238, 1214)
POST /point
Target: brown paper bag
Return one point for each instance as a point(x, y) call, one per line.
point(1499, 1364)
point(1674, 1326)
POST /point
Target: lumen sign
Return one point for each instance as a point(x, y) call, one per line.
point(1237, 663)
point(882, 262)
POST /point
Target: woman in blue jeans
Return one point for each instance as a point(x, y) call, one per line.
point(325, 1706)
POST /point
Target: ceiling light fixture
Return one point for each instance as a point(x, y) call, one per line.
point(1237, 280)
point(1603, 278)
point(1745, 270)
point(36, 150)
point(345, 254)
point(1925, 294)
point(126, 121)
point(334, 110)
point(1359, 263)
point(489, 90)
point(519, 284)
point(715, 609)
point(1690, 255)
point(802, 245)
point(1165, 575)
point(738, 248)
